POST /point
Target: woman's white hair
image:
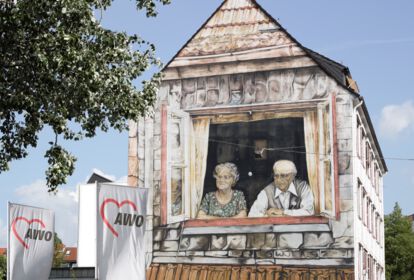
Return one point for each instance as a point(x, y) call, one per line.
point(285, 166)
point(229, 166)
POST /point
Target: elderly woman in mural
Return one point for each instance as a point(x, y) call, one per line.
point(225, 202)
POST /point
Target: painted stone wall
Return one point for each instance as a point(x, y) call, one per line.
point(303, 244)
point(249, 88)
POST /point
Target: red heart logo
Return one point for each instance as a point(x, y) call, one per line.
point(111, 200)
point(29, 223)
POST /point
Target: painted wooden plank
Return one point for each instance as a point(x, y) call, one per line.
point(285, 220)
point(257, 229)
point(271, 106)
point(314, 262)
point(301, 228)
point(251, 261)
point(153, 272)
point(169, 275)
point(257, 272)
point(178, 272)
point(227, 230)
point(235, 68)
point(185, 272)
point(161, 271)
point(203, 260)
point(264, 53)
point(203, 273)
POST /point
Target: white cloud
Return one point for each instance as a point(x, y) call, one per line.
point(397, 118)
point(122, 180)
point(64, 203)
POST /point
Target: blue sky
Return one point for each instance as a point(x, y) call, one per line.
point(374, 38)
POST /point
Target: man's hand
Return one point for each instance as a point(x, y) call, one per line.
point(274, 212)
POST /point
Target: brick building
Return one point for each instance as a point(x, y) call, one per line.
point(243, 90)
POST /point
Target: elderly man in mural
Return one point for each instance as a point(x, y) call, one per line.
point(286, 195)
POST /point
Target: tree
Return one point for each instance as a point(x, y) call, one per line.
point(58, 253)
point(61, 69)
point(399, 246)
point(3, 267)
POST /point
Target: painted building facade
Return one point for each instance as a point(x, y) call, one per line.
point(243, 90)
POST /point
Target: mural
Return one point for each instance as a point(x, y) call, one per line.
point(248, 155)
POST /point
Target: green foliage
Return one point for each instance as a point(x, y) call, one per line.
point(61, 69)
point(399, 246)
point(3, 267)
point(58, 253)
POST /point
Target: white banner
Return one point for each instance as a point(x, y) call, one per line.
point(30, 242)
point(120, 232)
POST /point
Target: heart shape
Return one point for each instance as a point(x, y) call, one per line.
point(111, 200)
point(29, 222)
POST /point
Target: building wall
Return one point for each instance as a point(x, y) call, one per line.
point(367, 238)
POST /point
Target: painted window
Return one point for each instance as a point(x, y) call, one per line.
point(253, 139)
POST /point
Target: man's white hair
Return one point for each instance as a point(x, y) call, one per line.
point(284, 166)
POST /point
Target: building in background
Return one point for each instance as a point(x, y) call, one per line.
point(69, 256)
point(243, 90)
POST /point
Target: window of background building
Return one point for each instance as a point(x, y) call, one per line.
point(364, 208)
point(359, 199)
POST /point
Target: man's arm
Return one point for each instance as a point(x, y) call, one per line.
point(307, 207)
point(260, 206)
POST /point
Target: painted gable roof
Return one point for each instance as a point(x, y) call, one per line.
point(237, 25)
point(243, 26)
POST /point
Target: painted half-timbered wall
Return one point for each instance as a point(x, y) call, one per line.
point(330, 243)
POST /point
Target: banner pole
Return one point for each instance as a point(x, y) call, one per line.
point(8, 241)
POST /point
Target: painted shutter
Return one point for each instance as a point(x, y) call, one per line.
point(175, 175)
point(327, 159)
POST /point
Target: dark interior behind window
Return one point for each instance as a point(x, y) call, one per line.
point(242, 144)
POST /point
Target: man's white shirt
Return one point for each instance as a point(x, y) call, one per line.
point(261, 205)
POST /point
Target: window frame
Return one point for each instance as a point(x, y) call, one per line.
point(279, 108)
point(364, 206)
point(361, 134)
point(167, 164)
point(360, 199)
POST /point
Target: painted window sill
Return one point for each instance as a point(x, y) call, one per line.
point(257, 225)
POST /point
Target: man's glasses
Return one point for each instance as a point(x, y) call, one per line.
point(224, 177)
